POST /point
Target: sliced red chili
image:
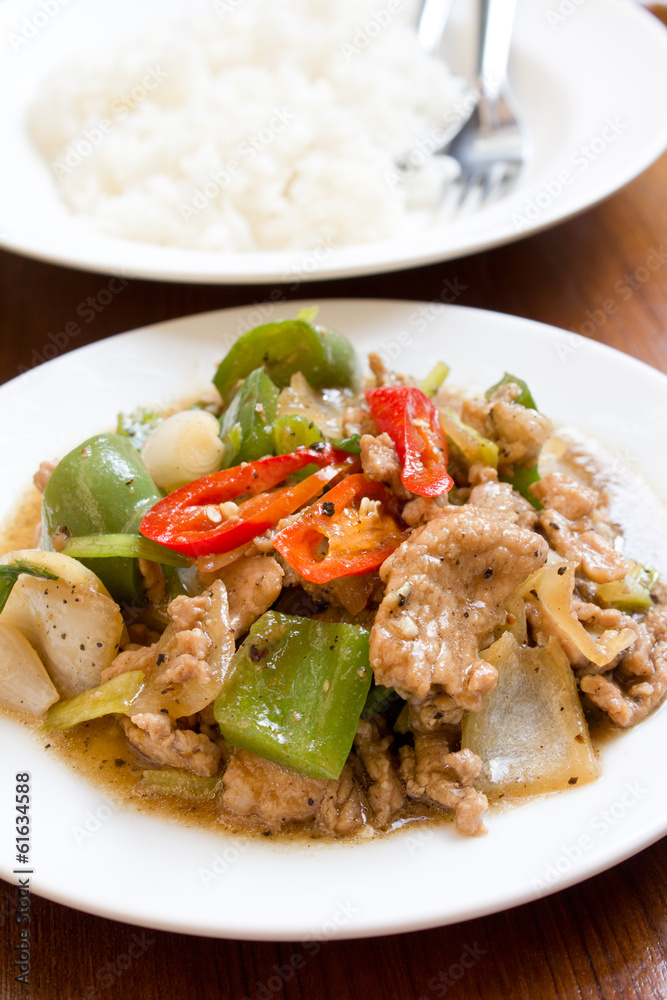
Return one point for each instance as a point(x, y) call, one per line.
point(190, 520)
point(412, 422)
point(357, 536)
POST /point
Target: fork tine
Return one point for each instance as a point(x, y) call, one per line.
point(497, 180)
point(459, 197)
point(473, 194)
point(505, 179)
point(467, 195)
point(491, 147)
point(475, 189)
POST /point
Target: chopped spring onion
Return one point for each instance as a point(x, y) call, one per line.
point(434, 379)
point(632, 593)
point(473, 446)
point(173, 781)
point(308, 314)
point(116, 695)
point(126, 546)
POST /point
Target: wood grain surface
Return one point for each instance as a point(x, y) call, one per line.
point(607, 937)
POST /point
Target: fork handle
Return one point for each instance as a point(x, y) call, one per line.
point(496, 21)
point(431, 24)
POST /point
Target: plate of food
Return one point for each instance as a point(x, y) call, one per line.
point(117, 162)
point(369, 586)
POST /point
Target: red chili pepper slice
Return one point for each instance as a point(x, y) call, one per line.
point(359, 540)
point(412, 422)
point(189, 520)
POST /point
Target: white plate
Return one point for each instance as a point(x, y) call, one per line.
point(109, 860)
point(590, 82)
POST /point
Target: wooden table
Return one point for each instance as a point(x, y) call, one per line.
point(604, 938)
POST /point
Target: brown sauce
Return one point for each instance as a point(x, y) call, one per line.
point(22, 527)
point(100, 753)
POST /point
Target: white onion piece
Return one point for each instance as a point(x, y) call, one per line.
point(184, 447)
point(553, 584)
point(75, 630)
point(25, 685)
point(530, 732)
point(323, 407)
point(64, 567)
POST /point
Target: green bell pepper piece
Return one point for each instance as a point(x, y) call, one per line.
point(351, 444)
point(101, 488)
point(295, 691)
point(294, 431)
point(523, 477)
point(341, 364)
point(325, 357)
point(246, 426)
point(524, 399)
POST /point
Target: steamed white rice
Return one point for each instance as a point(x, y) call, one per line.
point(253, 125)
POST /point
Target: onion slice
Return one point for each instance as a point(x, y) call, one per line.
point(25, 685)
point(553, 584)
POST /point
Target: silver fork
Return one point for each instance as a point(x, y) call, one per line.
point(492, 146)
point(430, 27)
point(431, 24)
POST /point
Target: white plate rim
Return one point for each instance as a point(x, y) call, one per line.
point(77, 873)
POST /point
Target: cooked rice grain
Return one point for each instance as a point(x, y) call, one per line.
point(276, 126)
